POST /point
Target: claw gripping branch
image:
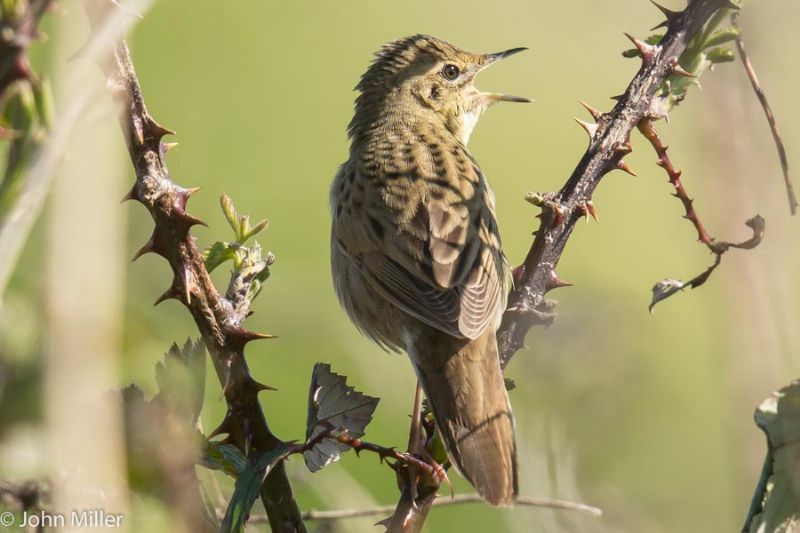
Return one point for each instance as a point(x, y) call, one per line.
point(218, 319)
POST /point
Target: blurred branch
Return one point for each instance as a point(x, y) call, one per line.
point(609, 142)
point(27, 495)
point(25, 118)
point(215, 317)
point(762, 98)
point(525, 501)
point(17, 32)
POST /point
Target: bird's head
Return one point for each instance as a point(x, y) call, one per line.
point(428, 75)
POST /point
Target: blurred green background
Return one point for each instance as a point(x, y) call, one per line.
point(646, 416)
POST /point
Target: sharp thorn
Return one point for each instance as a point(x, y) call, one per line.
point(132, 194)
point(261, 387)
point(596, 114)
point(223, 427)
point(591, 210)
point(157, 130)
point(554, 282)
point(591, 129)
point(680, 71)
point(246, 335)
point(187, 219)
point(670, 14)
point(647, 51)
point(622, 165)
point(148, 247)
point(167, 295)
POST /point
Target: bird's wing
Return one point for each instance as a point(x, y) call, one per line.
point(430, 243)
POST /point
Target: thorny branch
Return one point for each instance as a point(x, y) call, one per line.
point(218, 319)
point(609, 143)
point(16, 35)
point(668, 287)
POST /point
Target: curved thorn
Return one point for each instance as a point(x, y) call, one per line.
point(168, 294)
point(189, 220)
point(261, 387)
point(132, 194)
point(623, 166)
point(670, 14)
point(589, 206)
point(596, 114)
point(680, 71)
point(149, 247)
point(646, 50)
point(591, 129)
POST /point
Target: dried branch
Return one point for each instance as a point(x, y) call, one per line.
point(219, 322)
point(609, 142)
point(525, 501)
point(762, 98)
point(668, 287)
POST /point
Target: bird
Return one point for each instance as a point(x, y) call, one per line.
point(416, 256)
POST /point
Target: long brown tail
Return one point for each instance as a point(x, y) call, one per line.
point(463, 381)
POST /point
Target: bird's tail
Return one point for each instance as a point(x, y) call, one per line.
point(464, 383)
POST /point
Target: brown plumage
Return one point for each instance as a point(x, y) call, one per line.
point(415, 249)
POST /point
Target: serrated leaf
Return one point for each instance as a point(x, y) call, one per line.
point(247, 487)
point(226, 458)
point(230, 212)
point(181, 380)
point(332, 404)
point(217, 253)
point(776, 503)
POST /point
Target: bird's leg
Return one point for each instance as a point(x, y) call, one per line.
point(414, 441)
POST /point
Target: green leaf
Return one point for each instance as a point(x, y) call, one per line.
point(248, 485)
point(776, 503)
point(181, 379)
point(332, 404)
point(230, 212)
point(721, 37)
point(258, 228)
point(720, 55)
point(218, 253)
point(226, 458)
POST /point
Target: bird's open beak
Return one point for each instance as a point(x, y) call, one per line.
point(489, 59)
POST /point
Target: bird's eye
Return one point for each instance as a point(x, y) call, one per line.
point(450, 72)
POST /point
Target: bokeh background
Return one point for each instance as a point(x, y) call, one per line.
point(647, 416)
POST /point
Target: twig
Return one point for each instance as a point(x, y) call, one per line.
point(648, 130)
point(609, 142)
point(667, 288)
point(773, 126)
point(215, 316)
point(525, 501)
